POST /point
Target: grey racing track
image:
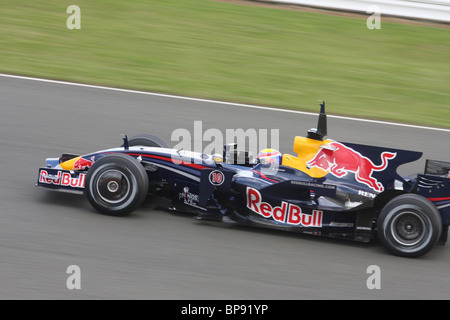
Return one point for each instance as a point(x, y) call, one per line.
point(155, 254)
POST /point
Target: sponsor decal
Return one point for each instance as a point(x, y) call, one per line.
point(366, 194)
point(286, 213)
point(339, 160)
point(313, 185)
point(189, 198)
point(63, 179)
point(341, 224)
point(82, 164)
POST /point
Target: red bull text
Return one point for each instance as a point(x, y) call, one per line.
point(62, 179)
point(286, 213)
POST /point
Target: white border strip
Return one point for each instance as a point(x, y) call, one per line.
point(427, 10)
point(217, 102)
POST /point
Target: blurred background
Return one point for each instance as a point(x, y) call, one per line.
point(243, 51)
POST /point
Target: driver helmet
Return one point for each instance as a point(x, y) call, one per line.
point(270, 156)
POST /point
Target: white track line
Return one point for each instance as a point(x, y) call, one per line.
point(217, 102)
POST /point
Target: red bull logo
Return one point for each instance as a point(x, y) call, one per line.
point(286, 213)
point(339, 160)
point(82, 163)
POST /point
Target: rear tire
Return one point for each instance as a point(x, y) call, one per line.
point(409, 225)
point(116, 184)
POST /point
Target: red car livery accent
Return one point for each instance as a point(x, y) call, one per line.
point(286, 213)
point(62, 179)
point(82, 163)
point(339, 160)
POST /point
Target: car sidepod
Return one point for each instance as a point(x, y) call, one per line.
point(291, 200)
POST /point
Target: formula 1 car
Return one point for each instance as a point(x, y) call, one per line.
point(328, 188)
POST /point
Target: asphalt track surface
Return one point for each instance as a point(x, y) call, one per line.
point(154, 254)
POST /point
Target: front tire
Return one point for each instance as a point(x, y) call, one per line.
point(409, 225)
point(116, 184)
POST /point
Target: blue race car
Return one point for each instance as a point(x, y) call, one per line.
point(327, 188)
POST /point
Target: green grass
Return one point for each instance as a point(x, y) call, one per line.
point(229, 52)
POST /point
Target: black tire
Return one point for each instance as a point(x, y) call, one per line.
point(147, 140)
point(409, 225)
point(116, 184)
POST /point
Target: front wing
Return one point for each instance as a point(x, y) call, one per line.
point(61, 180)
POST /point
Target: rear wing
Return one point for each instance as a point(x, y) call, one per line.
point(434, 185)
point(436, 167)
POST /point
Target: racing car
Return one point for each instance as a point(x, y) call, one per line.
point(327, 188)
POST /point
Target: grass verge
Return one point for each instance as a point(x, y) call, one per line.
point(230, 52)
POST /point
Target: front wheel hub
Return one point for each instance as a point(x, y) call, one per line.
point(113, 186)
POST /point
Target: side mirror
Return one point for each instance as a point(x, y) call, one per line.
point(125, 141)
